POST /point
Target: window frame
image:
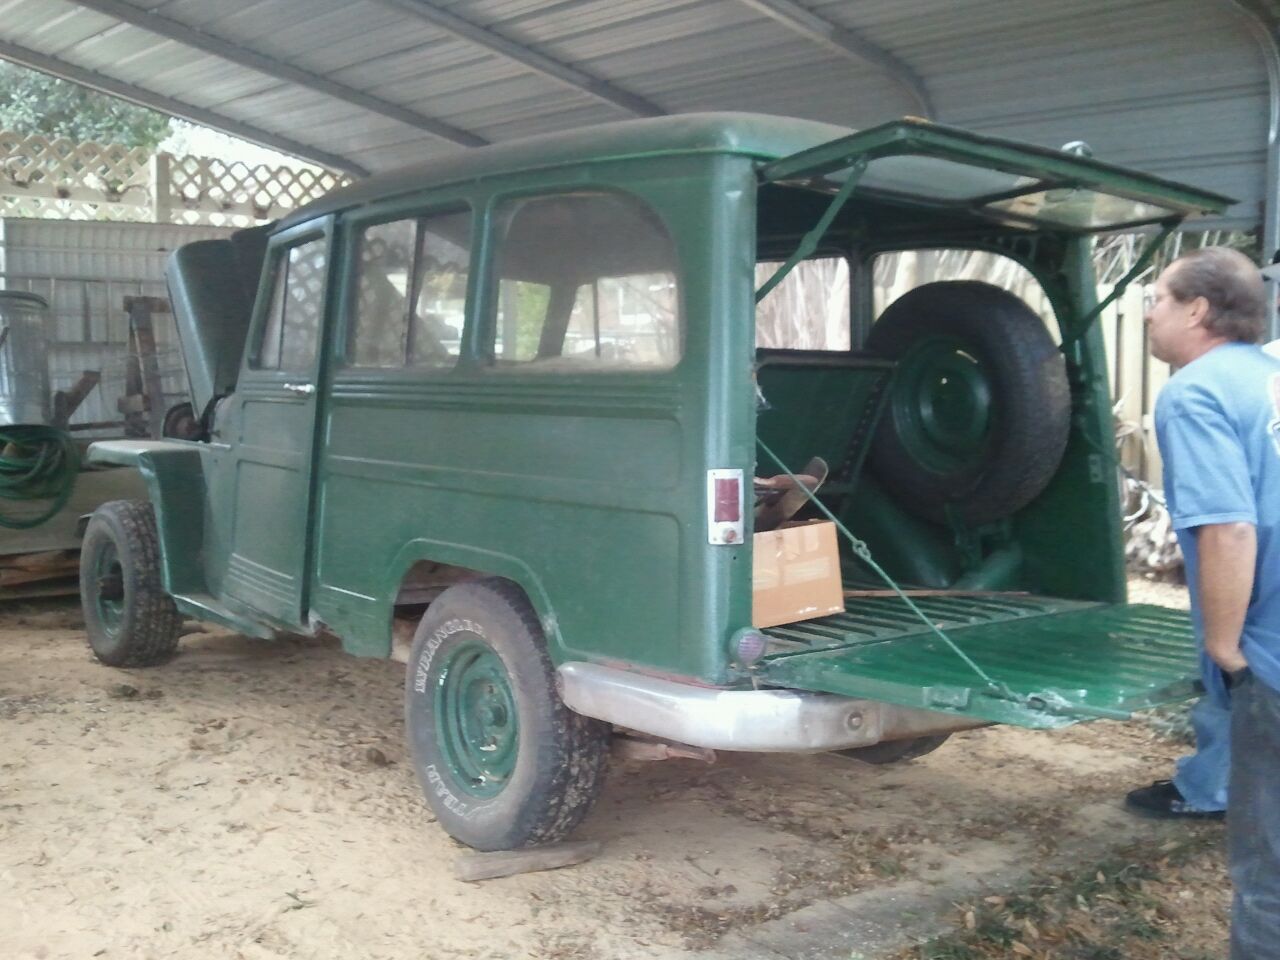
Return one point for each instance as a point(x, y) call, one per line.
point(354, 227)
point(487, 304)
point(850, 262)
point(278, 247)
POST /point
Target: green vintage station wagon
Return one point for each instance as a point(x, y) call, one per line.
point(521, 399)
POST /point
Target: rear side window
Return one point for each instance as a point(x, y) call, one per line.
point(292, 330)
point(411, 292)
point(585, 282)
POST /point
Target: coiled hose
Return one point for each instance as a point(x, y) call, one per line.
point(36, 463)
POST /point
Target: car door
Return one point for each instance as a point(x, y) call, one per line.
point(274, 435)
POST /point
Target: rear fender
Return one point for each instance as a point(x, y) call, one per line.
point(488, 562)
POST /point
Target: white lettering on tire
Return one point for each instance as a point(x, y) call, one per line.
point(439, 636)
point(441, 790)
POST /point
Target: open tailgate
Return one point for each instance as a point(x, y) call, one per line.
point(1055, 662)
point(916, 162)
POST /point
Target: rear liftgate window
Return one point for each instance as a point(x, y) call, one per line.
point(586, 282)
point(808, 310)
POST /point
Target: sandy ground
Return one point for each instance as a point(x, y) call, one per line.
point(253, 800)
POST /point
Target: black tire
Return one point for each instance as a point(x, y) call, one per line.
point(479, 661)
point(895, 751)
point(181, 423)
point(979, 408)
point(130, 620)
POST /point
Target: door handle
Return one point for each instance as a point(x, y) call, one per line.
point(302, 389)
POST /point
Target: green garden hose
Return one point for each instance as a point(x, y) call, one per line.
point(36, 463)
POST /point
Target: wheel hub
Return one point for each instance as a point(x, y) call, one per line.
point(942, 403)
point(476, 719)
point(109, 580)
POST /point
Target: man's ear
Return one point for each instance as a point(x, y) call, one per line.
point(1197, 311)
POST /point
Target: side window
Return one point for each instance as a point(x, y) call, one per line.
point(586, 281)
point(411, 292)
point(808, 310)
point(292, 330)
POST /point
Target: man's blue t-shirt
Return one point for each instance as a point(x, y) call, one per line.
point(1218, 426)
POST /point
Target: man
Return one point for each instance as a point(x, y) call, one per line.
point(1218, 426)
point(1198, 790)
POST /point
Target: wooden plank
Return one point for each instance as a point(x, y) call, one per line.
point(471, 867)
point(39, 561)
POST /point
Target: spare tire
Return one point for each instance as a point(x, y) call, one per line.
point(979, 408)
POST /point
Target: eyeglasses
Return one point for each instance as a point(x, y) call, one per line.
point(1149, 301)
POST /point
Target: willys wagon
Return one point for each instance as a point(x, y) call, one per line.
point(516, 396)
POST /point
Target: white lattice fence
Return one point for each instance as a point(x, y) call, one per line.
point(60, 179)
point(209, 190)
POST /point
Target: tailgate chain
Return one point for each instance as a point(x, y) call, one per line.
point(864, 553)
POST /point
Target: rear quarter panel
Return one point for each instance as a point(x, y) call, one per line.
point(588, 490)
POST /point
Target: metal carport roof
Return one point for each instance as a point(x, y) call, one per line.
point(1186, 89)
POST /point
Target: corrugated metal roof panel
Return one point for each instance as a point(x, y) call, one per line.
point(1151, 82)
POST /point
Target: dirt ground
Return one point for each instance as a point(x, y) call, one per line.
point(253, 800)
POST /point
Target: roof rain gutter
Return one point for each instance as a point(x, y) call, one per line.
point(1264, 30)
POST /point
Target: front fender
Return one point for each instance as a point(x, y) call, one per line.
point(173, 471)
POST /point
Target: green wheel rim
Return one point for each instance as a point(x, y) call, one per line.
point(108, 588)
point(476, 722)
point(941, 404)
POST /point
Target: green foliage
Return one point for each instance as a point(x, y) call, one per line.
point(36, 103)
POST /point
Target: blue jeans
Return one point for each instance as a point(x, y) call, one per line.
point(1253, 826)
point(1202, 778)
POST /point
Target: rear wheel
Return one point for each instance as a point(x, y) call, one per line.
point(503, 762)
point(895, 751)
point(130, 620)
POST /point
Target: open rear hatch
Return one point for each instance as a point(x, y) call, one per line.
point(1054, 662)
point(1009, 658)
point(918, 163)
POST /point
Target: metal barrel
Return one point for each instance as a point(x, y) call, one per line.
point(24, 358)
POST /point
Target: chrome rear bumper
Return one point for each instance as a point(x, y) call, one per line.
point(761, 721)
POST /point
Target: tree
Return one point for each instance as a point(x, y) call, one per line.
point(36, 103)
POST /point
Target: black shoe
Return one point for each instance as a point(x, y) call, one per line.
point(1163, 801)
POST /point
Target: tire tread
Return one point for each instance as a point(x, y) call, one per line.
point(152, 624)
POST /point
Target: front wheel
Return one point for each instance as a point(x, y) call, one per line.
point(503, 762)
point(130, 620)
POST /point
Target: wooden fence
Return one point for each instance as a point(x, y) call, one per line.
point(59, 179)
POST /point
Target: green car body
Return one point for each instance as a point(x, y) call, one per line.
point(337, 486)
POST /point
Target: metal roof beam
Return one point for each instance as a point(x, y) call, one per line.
point(538, 62)
point(225, 49)
point(1264, 24)
point(848, 44)
point(127, 91)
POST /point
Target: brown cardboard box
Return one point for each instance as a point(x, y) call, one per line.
point(795, 574)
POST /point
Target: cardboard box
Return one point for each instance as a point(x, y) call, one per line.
point(795, 574)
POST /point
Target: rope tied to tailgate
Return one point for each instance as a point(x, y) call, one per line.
point(863, 552)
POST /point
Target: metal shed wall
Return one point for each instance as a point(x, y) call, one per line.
point(85, 270)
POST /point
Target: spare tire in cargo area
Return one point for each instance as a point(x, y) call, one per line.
point(979, 408)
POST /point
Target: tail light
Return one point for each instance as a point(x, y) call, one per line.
point(724, 506)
